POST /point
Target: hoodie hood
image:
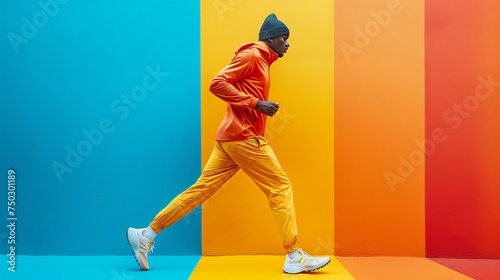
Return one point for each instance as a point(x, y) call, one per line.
point(267, 53)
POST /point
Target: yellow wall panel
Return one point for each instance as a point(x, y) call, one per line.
point(237, 220)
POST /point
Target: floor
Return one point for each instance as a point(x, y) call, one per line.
point(247, 267)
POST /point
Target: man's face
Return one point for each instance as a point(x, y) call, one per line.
point(279, 45)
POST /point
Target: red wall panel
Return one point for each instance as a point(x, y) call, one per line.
point(462, 77)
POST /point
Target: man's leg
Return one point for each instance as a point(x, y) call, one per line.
point(218, 170)
point(257, 159)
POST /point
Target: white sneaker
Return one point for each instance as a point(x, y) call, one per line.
point(304, 262)
point(141, 246)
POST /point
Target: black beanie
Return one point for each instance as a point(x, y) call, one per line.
point(272, 27)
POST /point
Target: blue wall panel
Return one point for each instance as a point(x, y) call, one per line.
point(100, 119)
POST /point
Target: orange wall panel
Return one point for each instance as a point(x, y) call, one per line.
point(379, 119)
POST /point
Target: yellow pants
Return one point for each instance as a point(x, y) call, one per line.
point(256, 158)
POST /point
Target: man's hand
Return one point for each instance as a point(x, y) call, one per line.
point(267, 107)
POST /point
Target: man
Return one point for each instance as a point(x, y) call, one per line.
point(240, 144)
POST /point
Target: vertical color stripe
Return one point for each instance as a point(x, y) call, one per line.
point(379, 121)
point(462, 101)
point(238, 220)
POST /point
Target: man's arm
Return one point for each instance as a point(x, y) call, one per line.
point(222, 85)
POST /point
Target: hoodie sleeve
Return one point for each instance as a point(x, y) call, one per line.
point(223, 87)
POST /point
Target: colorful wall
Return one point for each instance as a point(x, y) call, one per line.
point(387, 127)
point(416, 145)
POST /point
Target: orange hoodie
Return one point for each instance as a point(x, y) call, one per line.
point(242, 84)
